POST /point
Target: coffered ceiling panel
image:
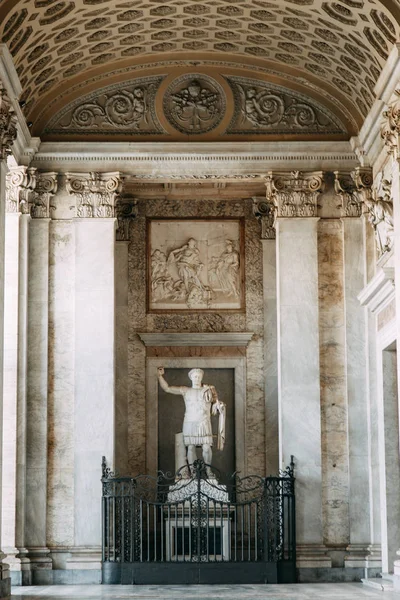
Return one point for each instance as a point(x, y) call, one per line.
point(340, 45)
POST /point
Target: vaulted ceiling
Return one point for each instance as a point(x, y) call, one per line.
point(330, 51)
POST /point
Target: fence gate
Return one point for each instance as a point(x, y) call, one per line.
point(191, 529)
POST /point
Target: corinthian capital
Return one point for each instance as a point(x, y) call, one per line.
point(46, 187)
point(95, 193)
point(295, 194)
point(390, 128)
point(8, 125)
point(353, 188)
point(20, 186)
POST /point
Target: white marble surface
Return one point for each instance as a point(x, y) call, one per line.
point(15, 367)
point(299, 377)
point(315, 591)
point(94, 371)
point(355, 277)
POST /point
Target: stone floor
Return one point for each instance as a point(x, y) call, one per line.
point(315, 591)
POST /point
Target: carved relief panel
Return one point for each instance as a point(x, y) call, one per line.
point(195, 265)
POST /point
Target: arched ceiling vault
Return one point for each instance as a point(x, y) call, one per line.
point(331, 51)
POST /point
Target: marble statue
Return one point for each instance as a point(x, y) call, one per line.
point(201, 401)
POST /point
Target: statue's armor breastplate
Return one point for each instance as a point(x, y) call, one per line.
point(197, 408)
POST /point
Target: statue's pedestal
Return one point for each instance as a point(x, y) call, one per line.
point(190, 534)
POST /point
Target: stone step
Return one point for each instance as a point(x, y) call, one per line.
point(385, 584)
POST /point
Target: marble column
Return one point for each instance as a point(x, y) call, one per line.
point(38, 377)
point(295, 196)
point(94, 414)
point(20, 184)
point(8, 133)
point(265, 213)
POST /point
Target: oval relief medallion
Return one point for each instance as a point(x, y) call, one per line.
point(194, 104)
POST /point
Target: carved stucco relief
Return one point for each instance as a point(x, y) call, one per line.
point(194, 104)
point(195, 265)
point(262, 107)
point(120, 108)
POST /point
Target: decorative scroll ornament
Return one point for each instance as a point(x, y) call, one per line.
point(379, 204)
point(265, 211)
point(8, 125)
point(295, 194)
point(126, 210)
point(96, 193)
point(391, 126)
point(46, 187)
point(20, 185)
point(120, 108)
point(262, 107)
point(350, 192)
point(194, 104)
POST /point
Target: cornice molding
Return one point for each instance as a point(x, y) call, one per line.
point(153, 161)
point(379, 292)
point(196, 339)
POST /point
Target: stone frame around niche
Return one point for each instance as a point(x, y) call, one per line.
point(238, 364)
point(234, 306)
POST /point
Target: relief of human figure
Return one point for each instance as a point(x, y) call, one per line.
point(201, 401)
point(189, 266)
point(225, 270)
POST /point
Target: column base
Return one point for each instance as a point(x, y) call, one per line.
point(19, 565)
point(363, 555)
point(39, 558)
point(84, 558)
point(312, 556)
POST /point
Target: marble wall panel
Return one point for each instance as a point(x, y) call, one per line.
point(60, 482)
point(335, 474)
point(36, 435)
point(140, 321)
point(121, 357)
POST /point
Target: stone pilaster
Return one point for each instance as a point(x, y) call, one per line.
point(390, 133)
point(264, 211)
point(354, 190)
point(20, 182)
point(8, 133)
point(295, 196)
point(38, 375)
point(94, 430)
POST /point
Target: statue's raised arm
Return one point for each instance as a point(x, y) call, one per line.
point(171, 389)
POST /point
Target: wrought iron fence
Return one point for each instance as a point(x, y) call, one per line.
point(191, 529)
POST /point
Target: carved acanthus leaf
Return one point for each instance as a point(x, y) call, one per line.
point(295, 194)
point(265, 211)
point(8, 125)
point(46, 187)
point(352, 188)
point(20, 186)
point(96, 193)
